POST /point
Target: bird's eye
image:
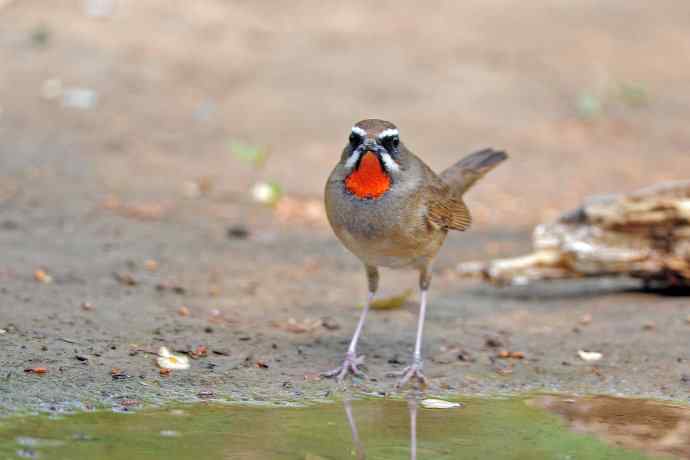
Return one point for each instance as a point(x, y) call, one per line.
point(355, 139)
point(391, 142)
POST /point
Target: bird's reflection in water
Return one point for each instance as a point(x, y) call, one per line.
point(520, 428)
point(359, 448)
point(412, 404)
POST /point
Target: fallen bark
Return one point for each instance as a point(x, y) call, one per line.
point(644, 234)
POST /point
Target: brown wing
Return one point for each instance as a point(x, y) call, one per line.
point(449, 213)
point(444, 208)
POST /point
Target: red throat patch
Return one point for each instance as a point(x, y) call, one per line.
point(369, 180)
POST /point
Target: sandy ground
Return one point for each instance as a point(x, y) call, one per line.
point(587, 97)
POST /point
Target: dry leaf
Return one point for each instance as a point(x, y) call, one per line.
point(36, 370)
point(511, 354)
point(391, 302)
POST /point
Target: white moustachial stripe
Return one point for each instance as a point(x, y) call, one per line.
point(352, 160)
point(390, 163)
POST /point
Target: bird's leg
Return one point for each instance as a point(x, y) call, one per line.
point(414, 370)
point(352, 361)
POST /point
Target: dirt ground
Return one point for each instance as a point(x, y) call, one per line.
point(587, 97)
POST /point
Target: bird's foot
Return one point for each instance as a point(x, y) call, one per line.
point(413, 371)
point(349, 366)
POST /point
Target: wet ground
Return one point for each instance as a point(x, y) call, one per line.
point(127, 220)
point(512, 428)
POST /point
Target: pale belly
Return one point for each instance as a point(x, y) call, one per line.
point(393, 252)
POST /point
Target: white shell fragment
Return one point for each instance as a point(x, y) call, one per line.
point(439, 404)
point(167, 360)
point(590, 356)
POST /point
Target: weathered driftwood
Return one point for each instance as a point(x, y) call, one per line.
point(644, 234)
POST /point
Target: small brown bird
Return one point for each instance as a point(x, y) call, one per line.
point(391, 210)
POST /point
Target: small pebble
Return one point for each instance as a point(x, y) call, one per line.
point(79, 98)
point(99, 9)
point(42, 277)
point(191, 189)
point(493, 342)
point(51, 89)
point(206, 394)
point(330, 323)
point(238, 232)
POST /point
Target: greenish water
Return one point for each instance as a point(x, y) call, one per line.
point(538, 428)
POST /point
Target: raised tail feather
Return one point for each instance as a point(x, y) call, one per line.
point(463, 174)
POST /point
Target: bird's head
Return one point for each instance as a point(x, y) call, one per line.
point(372, 158)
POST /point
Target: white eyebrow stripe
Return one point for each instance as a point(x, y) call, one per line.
point(390, 163)
point(359, 131)
point(352, 160)
point(388, 133)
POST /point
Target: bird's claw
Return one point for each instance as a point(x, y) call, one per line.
point(349, 366)
point(413, 371)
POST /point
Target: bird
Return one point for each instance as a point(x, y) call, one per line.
point(390, 209)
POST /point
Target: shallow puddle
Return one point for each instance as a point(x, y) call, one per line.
point(545, 427)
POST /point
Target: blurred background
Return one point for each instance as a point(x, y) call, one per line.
point(142, 99)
